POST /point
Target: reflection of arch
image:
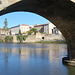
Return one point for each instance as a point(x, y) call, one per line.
point(60, 12)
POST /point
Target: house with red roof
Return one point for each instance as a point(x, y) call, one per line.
point(15, 30)
point(48, 28)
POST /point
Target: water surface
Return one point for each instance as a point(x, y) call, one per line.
point(33, 59)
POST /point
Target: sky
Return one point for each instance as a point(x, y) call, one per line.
point(19, 18)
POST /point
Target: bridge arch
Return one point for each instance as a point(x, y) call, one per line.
point(59, 12)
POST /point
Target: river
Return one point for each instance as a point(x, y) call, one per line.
point(33, 59)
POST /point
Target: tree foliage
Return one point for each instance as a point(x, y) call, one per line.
point(34, 30)
point(8, 39)
point(19, 32)
point(5, 26)
point(24, 37)
point(1, 39)
point(30, 32)
point(19, 38)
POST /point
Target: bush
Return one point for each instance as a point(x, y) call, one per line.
point(30, 32)
point(8, 39)
point(34, 30)
point(19, 37)
point(11, 39)
point(1, 40)
point(24, 37)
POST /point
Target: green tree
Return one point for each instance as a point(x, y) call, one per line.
point(11, 39)
point(1, 39)
point(19, 37)
point(34, 30)
point(19, 32)
point(30, 32)
point(8, 39)
point(24, 37)
point(5, 26)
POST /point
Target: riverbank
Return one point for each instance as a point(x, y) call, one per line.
point(54, 42)
point(38, 38)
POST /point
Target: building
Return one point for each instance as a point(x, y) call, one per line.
point(15, 30)
point(48, 28)
point(2, 32)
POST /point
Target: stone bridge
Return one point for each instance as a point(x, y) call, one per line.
point(59, 12)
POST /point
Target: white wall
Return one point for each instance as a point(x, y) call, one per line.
point(59, 32)
point(24, 29)
point(51, 26)
point(46, 28)
point(14, 30)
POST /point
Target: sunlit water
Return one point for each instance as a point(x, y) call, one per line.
point(33, 59)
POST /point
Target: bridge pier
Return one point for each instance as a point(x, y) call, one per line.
point(70, 59)
point(71, 51)
point(67, 27)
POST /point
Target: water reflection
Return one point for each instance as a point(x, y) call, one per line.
point(33, 59)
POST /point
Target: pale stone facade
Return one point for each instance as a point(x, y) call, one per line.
point(48, 28)
point(24, 28)
point(15, 30)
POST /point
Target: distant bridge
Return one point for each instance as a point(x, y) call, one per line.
point(59, 12)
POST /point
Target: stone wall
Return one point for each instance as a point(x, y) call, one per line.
point(15, 39)
point(53, 37)
point(40, 37)
point(6, 3)
point(30, 38)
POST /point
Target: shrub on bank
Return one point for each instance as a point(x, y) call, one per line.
point(24, 37)
point(1, 40)
point(30, 32)
point(8, 39)
point(34, 30)
point(19, 38)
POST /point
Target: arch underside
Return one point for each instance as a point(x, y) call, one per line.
point(59, 12)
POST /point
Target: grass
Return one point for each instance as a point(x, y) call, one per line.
point(55, 42)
